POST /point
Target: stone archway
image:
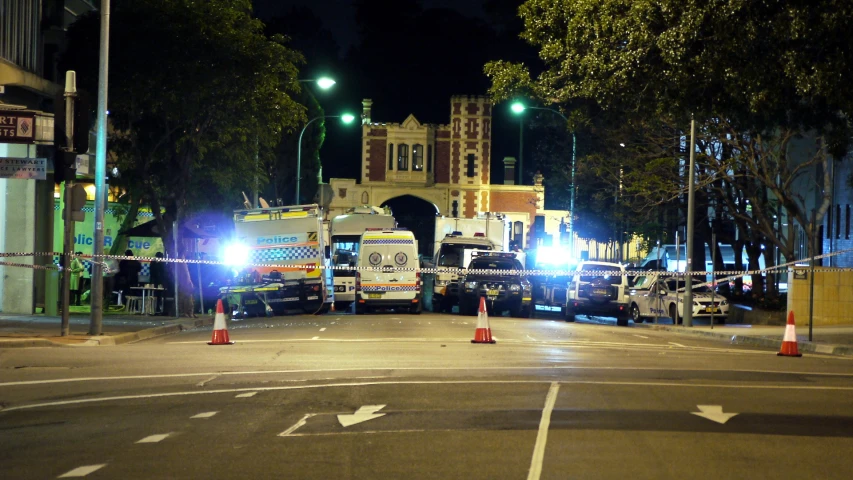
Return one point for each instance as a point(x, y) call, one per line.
point(417, 215)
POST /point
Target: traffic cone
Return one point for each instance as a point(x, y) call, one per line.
point(789, 342)
point(483, 334)
point(220, 331)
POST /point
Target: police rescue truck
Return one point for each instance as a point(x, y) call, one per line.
point(389, 274)
point(278, 257)
point(345, 233)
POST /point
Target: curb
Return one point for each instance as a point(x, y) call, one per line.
point(802, 346)
point(109, 340)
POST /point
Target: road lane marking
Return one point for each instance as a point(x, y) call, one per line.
point(296, 425)
point(204, 415)
point(82, 471)
point(641, 336)
point(677, 344)
point(204, 382)
point(416, 369)
point(428, 382)
point(363, 414)
point(246, 395)
point(542, 436)
point(154, 438)
point(316, 338)
point(323, 329)
point(713, 413)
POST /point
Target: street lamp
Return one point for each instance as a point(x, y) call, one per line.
point(347, 118)
point(519, 108)
point(324, 83)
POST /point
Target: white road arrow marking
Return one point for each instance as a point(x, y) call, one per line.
point(714, 413)
point(363, 414)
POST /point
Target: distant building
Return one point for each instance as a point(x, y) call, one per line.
point(447, 166)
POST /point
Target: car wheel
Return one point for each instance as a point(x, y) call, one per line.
point(673, 314)
point(570, 315)
point(622, 320)
point(416, 309)
point(635, 314)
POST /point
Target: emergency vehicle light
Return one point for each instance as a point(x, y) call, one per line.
point(479, 234)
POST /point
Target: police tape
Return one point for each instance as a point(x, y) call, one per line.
point(731, 274)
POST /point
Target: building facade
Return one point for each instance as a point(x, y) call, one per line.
point(447, 166)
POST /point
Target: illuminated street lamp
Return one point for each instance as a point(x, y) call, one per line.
point(324, 83)
point(347, 118)
point(518, 108)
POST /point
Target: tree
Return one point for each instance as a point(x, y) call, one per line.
point(196, 92)
point(768, 70)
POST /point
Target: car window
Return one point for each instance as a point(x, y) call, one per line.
point(612, 279)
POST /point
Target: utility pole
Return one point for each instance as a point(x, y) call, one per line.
point(70, 173)
point(688, 283)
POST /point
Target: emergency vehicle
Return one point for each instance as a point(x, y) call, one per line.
point(389, 274)
point(657, 296)
point(278, 258)
point(345, 233)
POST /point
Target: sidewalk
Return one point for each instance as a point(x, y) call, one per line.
point(40, 330)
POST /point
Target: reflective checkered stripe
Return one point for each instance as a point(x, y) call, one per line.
point(388, 241)
point(269, 255)
point(88, 265)
point(389, 288)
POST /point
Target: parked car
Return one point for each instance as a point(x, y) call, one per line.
point(497, 276)
point(654, 296)
point(602, 291)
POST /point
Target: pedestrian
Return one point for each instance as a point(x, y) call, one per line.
point(76, 270)
point(128, 273)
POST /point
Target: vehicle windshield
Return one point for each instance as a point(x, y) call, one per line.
point(489, 263)
point(345, 253)
point(591, 267)
point(680, 285)
point(452, 254)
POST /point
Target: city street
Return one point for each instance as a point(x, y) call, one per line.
point(393, 396)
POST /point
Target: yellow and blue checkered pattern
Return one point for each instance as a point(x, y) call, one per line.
point(389, 288)
point(389, 241)
point(268, 255)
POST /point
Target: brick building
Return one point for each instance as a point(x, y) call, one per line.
point(447, 166)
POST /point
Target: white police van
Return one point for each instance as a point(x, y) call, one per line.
point(389, 273)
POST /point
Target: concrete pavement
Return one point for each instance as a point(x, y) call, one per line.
point(117, 328)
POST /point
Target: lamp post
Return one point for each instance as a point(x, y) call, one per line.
point(324, 83)
point(519, 108)
point(347, 118)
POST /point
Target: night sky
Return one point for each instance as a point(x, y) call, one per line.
point(409, 56)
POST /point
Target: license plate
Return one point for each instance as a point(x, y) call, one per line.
point(250, 302)
point(312, 297)
point(374, 295)
point(599, 291)
point(492, 293)
point(712, 309)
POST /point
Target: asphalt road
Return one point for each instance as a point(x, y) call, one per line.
point(402, 396)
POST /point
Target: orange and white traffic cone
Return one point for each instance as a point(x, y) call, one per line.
point(789, 341)
point(483, 334)
point(220, 330)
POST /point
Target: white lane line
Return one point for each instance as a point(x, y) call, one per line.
point(677, 344)
point(246, 395)
point(154, 438)
point(82, 471)
point(542, 436)
point(323, 329)
point(415, 369)
point(204, 415)
point(296, 425)
point(430, 382)
point(316, 338)
point(641, 336)
point(205, 381)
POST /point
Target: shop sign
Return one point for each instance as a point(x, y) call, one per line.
point(23, 168)
point(17, 127)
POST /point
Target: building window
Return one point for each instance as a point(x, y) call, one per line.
point(390, 156)
point(417, 157)
point(470, 171)
point(429, 158)
point(402, 157)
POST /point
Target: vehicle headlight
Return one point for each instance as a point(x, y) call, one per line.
point(441, 283)
point(724, 302)
point(514, 288)
point(471, 285)
point(236, 254)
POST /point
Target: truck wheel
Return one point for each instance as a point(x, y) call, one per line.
point(622, 320)
point(359, 309)
point(416, 309)
point(570, 315)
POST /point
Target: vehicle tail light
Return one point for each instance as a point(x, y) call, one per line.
point(357, 282)
point(417, 281)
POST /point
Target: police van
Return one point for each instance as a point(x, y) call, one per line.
point(389, 273)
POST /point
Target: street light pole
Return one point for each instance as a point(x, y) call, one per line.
point(518, 108)
point(346, 117)
point(688, 281)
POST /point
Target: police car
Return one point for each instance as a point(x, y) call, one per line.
point(655, 296)
point(497, 277)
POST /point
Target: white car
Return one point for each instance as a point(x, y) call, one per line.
point(653, 296)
